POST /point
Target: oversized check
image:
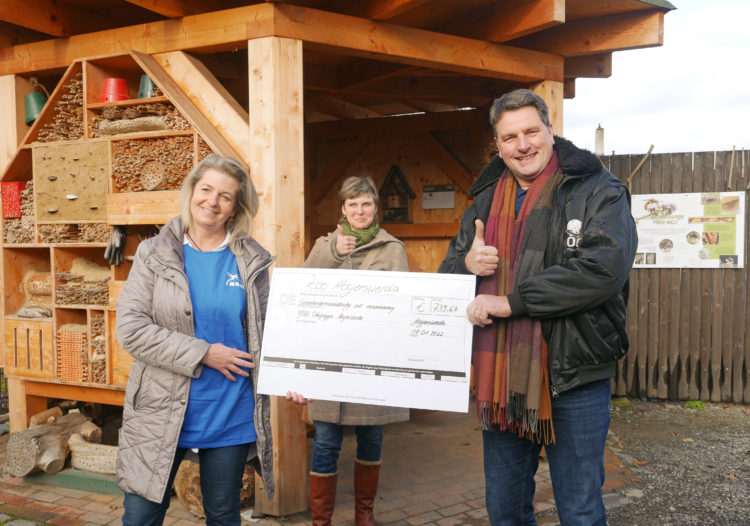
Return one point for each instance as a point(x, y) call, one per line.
point(384, 338)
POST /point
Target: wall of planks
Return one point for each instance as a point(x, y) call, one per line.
point(687, 327)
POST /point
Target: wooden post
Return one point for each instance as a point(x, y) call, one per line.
point(552, 93)
point(13, 89)
point(277, 169)
point(22, 405)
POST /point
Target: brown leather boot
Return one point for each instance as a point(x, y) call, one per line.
point(322, 497)
point(365, 487)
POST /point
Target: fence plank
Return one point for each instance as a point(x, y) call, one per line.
point(673, 352)
point(736, 364)
point(619, 167)
point(728, 276)
point(643, 278)
point(704, 173)
point(717, 334)
point(654, 187)
point(662, 184)
point(745, 367)
point(682, 167)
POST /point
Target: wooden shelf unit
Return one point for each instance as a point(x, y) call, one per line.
point(73, 353)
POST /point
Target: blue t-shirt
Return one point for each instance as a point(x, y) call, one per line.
point(219, 411)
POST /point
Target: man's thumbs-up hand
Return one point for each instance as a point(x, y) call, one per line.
point(481, 259)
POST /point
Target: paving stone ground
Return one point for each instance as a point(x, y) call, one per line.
point(431, 474)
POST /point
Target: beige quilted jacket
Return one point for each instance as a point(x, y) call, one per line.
point(384, 252)
point(155, 325)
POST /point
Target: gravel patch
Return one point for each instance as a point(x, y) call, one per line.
point(690, 466)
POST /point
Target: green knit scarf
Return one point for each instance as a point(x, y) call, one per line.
point(364, 235)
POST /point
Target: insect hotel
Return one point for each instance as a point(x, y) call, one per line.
point(303, 92)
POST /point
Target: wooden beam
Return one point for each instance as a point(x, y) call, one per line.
point(214, 137)
point(13, 90)
point(387, 9)
point(341, 108)
point(433, 87)
point(277, 167)
point(208, 32)
point(52, 17)
point(336, 168)
point(569, 89)
point(597, 66)
point(445, 160)
point(12, 35)
point(179, 8)
point(351, 75)
point(426, 106)
point(223, 30)
point(552, 93)
point(208, 95)
point(514, 19)
point(389, 126)
point(600, 35)
point(414, 46)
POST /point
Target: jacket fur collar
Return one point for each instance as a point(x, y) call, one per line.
point(573, 161)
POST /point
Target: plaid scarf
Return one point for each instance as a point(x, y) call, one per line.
point(511, 356)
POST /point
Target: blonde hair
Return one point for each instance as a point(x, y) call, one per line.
point(240, 225)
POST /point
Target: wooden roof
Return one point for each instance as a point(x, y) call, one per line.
point(362, 58)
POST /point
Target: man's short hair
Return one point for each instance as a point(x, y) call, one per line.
point(515, 100)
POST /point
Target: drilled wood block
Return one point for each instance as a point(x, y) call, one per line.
point(70, 181)
point(72, 353)
point(29, 348)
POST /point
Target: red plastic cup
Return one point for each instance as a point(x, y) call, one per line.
point(114, 89)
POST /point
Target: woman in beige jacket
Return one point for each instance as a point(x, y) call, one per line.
point(357, 243)
point(191, 314)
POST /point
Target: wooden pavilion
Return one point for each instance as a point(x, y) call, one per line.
point(304, 92)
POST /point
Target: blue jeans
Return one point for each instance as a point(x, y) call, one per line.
point(576, 463)
point(221, 470)
point(327, 444)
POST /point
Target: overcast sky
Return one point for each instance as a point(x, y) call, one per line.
point(691, 94)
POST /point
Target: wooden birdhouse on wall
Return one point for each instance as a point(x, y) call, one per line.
point(396, 197)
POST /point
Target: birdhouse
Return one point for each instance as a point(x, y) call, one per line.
point(396, 197)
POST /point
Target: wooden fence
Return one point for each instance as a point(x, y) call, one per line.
point(687, 327)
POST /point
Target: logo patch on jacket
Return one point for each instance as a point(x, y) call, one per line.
point(233, 280)
point(573, 234)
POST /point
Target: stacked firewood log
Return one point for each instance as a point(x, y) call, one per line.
point(49, 439)
point(139, 118)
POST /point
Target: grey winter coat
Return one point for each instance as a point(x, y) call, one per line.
point(155, 325)
point(384, 252)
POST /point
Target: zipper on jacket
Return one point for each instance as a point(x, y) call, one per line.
point(553, 390)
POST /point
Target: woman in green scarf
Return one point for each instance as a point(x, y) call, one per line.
point(357, 243)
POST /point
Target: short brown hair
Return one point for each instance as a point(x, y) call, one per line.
point(515, 100)
point(355, 186)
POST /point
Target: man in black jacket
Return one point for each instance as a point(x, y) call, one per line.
point(552, 240)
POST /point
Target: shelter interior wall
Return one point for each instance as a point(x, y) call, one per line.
point(473, 148)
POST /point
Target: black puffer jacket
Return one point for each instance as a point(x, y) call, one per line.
point(582, 293)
